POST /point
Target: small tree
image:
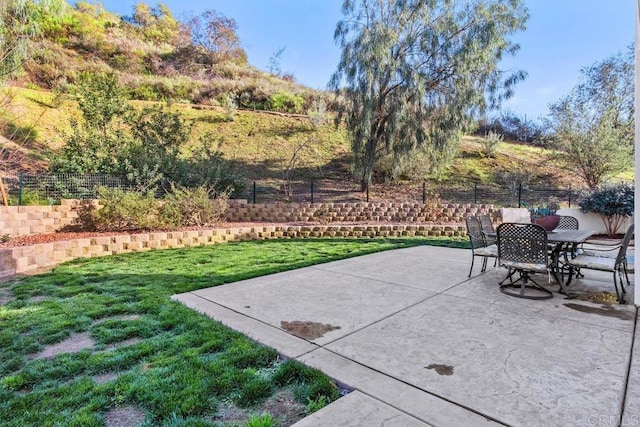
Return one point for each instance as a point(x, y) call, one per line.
point(593, 125)
point(613, 204)
point(217, 36)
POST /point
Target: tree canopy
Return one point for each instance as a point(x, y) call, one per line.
point(414, 72)
point(593, 125)
point(20, 22)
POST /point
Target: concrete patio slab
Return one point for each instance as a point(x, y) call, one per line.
point(417, 267)
point(421, 404)
point(352, 409)
point(498, 360)
point(483, 288)
point(315, 295)
point(420, 338)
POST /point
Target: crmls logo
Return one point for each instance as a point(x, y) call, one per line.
point(614, 420)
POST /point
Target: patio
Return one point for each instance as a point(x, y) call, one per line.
point(421, 344)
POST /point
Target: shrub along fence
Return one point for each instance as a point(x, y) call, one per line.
point(42, 189)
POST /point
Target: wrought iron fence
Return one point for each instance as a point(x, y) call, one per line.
point(50, 188)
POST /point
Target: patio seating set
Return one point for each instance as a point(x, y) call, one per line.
point(527, 250)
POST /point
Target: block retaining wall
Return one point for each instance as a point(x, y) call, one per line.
point(241, 211)
point(30, 220)
point(25, 259)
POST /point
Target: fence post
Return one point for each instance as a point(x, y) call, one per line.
point(20, 185)
point(475, 193)
point(311, 191)
point(520, 195)
point(367, 192)
point(424, 192)
point(254, 192)
point(570, 193)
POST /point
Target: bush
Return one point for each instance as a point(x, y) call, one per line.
point(191, 207)
point(124, 210)
point(286, 102)
point(490, 143)
point(613, 204)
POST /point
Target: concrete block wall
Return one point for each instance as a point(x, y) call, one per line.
point(446, 213)
point(30, 220)
point(26, 259)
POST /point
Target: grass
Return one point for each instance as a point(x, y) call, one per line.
point(178, 366)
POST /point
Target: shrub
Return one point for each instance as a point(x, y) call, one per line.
point(124, 210)
point(286, 102)
point(490, 143)
point(191, 207)
point(613, 204)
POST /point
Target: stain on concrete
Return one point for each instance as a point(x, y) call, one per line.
point(307, 330)
point(605, 310)
point(441, 369)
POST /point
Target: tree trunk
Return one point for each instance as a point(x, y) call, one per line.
point(5, 199)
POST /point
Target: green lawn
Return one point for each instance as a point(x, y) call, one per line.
point(176, 366)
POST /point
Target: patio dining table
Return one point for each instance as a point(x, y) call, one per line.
point(562, 240)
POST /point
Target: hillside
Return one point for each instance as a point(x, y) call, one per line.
point(255, 118)
point(261, 144)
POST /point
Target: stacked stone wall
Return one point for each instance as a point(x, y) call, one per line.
point(371, 212)
point(26, 259)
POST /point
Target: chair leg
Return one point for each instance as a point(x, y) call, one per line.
point(626, 274)
point(473, 257)
point(624, 291)
point(615, 284)
point(484, 264)
point(526, 283)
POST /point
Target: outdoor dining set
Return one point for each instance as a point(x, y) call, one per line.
point(529, 250)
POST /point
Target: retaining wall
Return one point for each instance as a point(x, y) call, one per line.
point(30, 220)
point(241, 211)
point(25, 259)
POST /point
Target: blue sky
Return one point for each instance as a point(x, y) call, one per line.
point(563, 36)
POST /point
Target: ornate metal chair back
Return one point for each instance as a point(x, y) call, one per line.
point(523, 244)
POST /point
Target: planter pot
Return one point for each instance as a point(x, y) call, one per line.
point(548, 222)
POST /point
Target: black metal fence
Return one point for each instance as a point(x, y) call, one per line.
point(51, 188)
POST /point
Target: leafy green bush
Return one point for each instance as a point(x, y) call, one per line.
point(612, 203)
point(286, 102)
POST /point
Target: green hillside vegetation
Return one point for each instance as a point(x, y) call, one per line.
point(261, 144)
point(262, 122)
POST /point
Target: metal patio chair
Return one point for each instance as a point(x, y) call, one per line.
point(479, 246)
point(568, 223)
point(487, 229)
point(523, 249)
point(596, 259)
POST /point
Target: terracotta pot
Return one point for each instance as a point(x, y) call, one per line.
point(548, 222)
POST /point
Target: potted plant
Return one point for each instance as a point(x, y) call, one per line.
point(545, 216)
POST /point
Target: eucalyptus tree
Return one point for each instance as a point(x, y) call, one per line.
point(593, 126)
point(20, 23)
point(413, 73)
